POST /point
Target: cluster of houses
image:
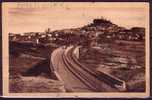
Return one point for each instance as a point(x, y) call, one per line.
point(35, 37)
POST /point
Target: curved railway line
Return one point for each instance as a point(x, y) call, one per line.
point(94, 80)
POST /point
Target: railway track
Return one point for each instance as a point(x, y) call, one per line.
point(78, 74)
point(91, 78)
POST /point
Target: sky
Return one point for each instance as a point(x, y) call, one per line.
point(37, 17)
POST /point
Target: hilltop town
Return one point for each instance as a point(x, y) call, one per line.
point(99, 31)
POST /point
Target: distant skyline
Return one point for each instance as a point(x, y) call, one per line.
point(26, 18)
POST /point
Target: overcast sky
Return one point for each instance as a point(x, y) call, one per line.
point(37, 17)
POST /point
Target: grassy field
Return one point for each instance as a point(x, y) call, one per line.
point(125, 60)
point(29, 71)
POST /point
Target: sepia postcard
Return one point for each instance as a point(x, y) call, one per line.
point(76, 49)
